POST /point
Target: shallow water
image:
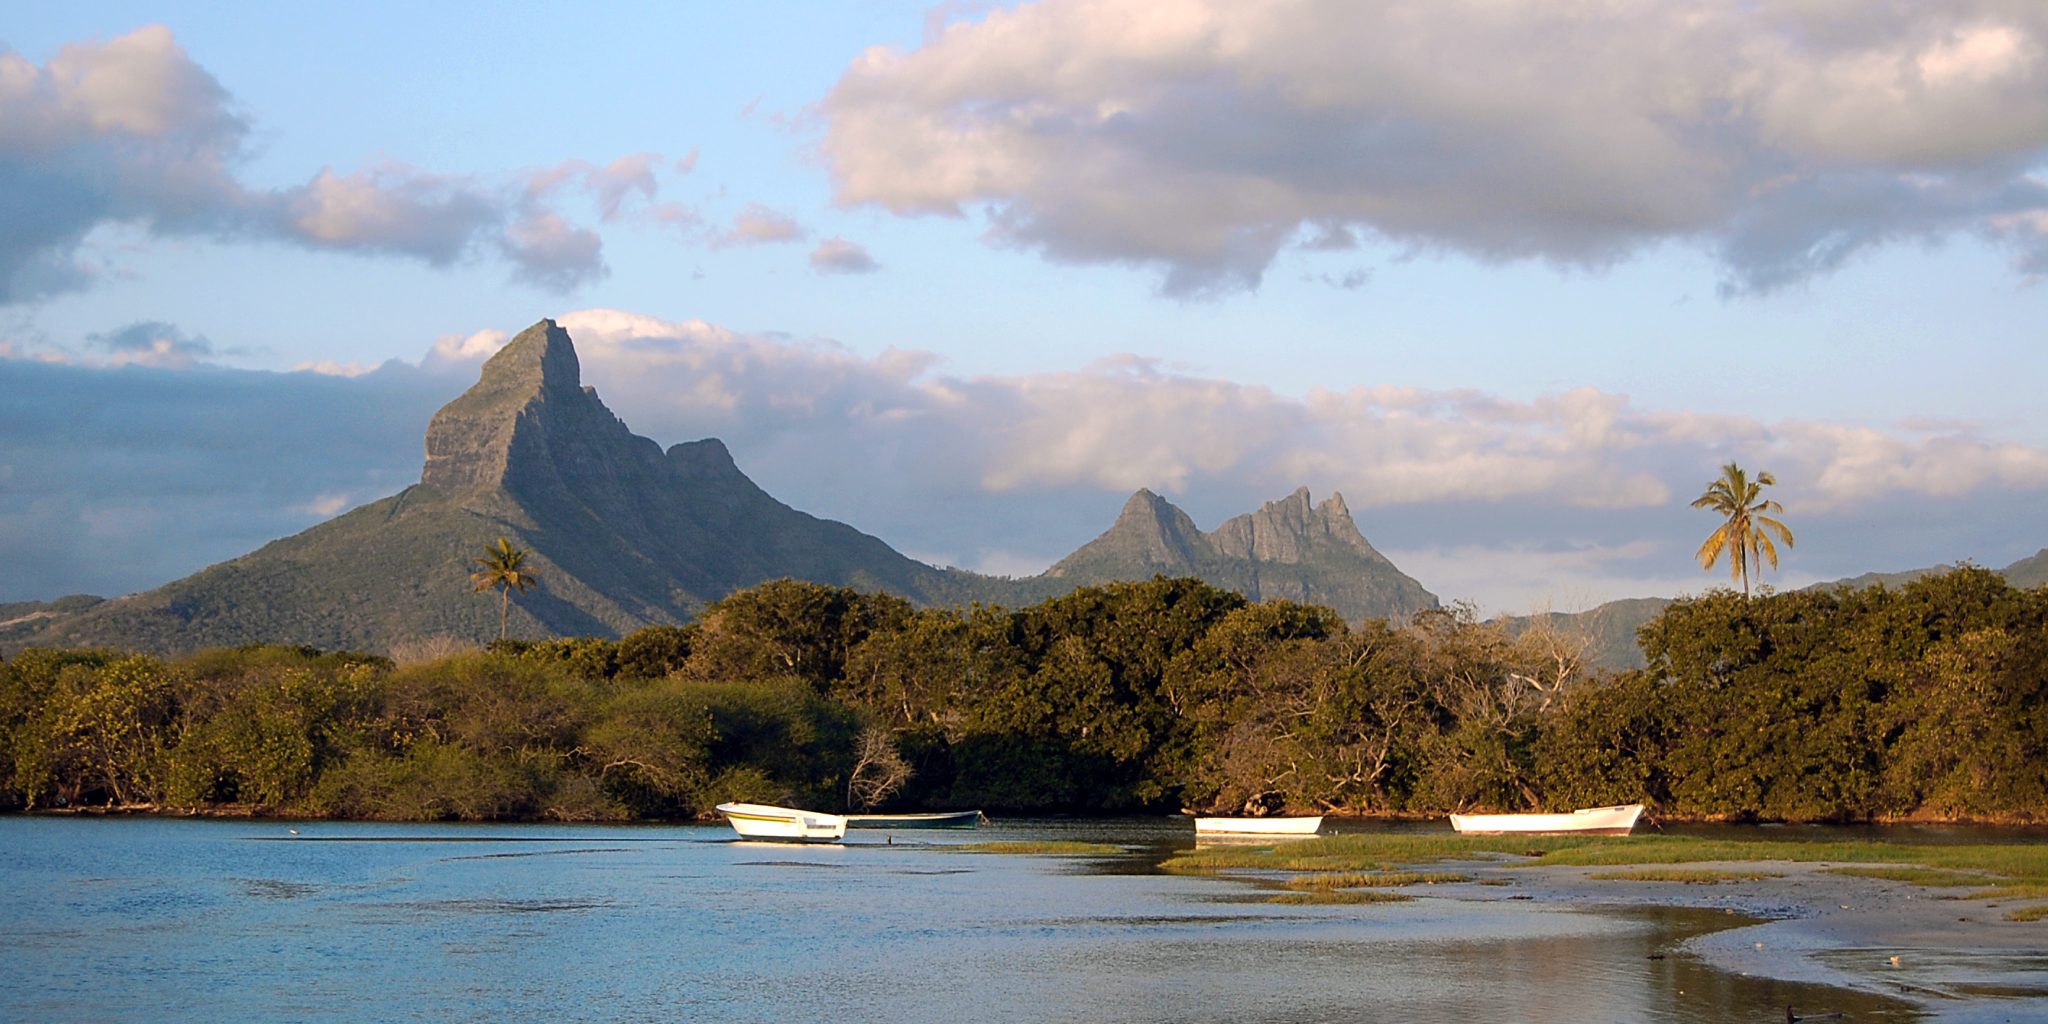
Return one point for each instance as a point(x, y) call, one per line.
point(174, 920)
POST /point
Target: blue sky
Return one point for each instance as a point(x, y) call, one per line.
point(1514, 279)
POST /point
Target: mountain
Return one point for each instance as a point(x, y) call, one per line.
point(1881, 579)
point(1608, 631)
point(620, 534)
point(1288, 550)
point(2028, 572)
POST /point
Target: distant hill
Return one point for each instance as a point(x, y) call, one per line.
point(622, 534)
point(2028, 572)
point(20, 620)
point(1288, 550)
point(1611, 628)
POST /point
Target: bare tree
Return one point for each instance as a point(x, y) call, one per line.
point(878, 769)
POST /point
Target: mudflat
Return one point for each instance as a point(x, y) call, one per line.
point(1955, 956)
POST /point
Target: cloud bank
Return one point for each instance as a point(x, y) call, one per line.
point(116, 476)
point(1203, 137)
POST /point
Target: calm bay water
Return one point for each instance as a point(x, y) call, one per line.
point(155, 920)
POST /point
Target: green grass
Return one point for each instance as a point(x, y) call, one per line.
point(1690, 876)
point(2010, 871)
point(1936, 877)
point(1326, 881)
point(1347, 896)
point(1051, 846)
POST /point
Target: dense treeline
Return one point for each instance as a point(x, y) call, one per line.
point(1161, 695)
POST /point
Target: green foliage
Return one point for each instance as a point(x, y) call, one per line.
point(788, 628)
point(655, 652)
point(1927, 700)
point(588, 657)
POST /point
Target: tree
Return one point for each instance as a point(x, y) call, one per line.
point(501, 565)
point(1745, 535)
point(878, 768)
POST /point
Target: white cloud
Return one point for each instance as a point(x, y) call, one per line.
point(1529, 578)
point(331, 368)
point(761, 225)
point(474, 347)
point(839, 256)
point(1202, 136)
point(323, 506)
point(133, 131)
point(1128, 422)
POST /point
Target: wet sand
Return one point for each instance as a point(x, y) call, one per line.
point(1958, 959)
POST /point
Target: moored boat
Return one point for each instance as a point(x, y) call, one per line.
point(1618, 820)
point(940, 819)
point(764, 821)
point(1297, 826)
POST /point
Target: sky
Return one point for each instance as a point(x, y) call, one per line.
point(1515, 277)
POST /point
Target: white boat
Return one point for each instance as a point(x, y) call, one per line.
point(1303, 826)
point(1618, 820)
point(763, 821)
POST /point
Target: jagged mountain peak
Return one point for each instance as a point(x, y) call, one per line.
point(1142, 504)
point(539, 357)
point(1150, 533)
point(706, 459)
point(1290, 548)
point(1283, 530)
point(528, 402)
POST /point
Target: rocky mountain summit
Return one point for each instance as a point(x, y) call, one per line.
point(1287, 549)
point(623, 534)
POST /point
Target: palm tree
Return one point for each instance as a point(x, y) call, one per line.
point(501, 567)
point(1746, 536)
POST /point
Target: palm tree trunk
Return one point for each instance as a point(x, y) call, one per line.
point(505, 607)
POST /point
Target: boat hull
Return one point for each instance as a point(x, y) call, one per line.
point(1302, 826)
point(1619, 820)
point(943, 819)
point(763, 821)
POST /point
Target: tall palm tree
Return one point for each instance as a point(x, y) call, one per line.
point(1746, 535)
point(501, 566)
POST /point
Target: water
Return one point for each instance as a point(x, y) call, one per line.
point(159, 920)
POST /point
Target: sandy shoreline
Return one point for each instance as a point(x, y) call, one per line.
point(1958, 959)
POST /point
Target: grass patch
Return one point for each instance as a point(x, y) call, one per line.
point(1328, 881)
point(1937, 877)
point(1346, 896)
point(2012, 871)
point(1052, 846)
point(2031, 912)
point(2014, 891)
point(1690, 876)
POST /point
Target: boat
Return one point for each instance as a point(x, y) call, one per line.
point(1300, 826)
point(1618, 820)
point(763, 821)
point(941, 819)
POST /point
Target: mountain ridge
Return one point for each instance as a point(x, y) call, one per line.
point(622, 533)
